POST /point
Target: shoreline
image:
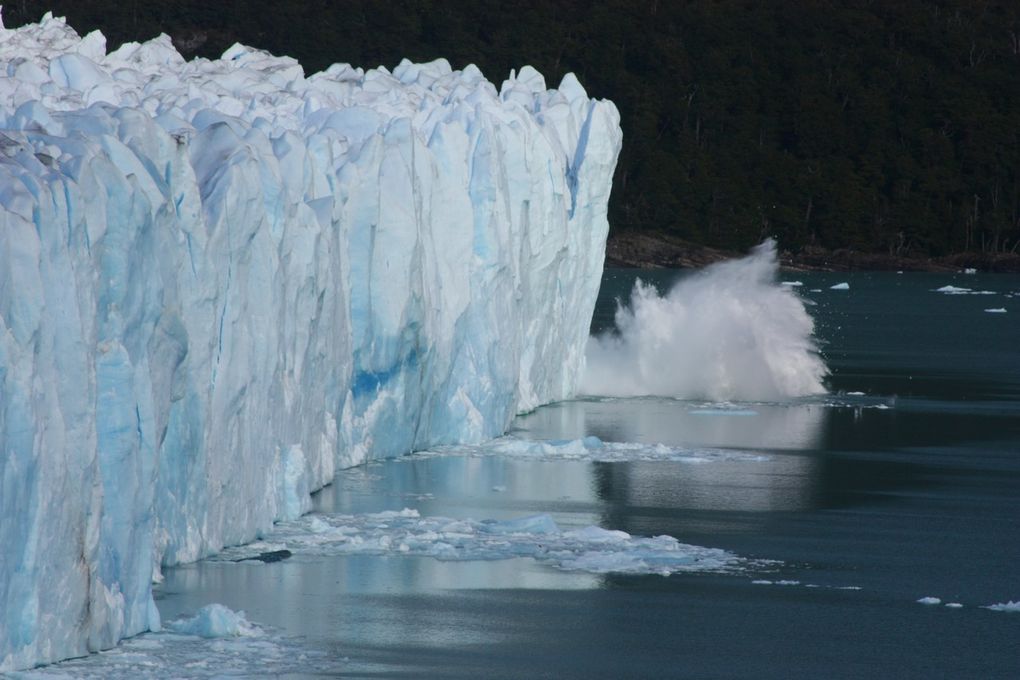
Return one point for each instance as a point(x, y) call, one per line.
point(664, 251)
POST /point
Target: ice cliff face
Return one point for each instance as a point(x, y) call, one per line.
point(221, 281)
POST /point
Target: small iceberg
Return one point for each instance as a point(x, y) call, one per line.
point(952, 290)
point(996, 310)
point(840, 286)
point(1005, 607)
point(930, 601)
point(792, 284)
point(214, 621)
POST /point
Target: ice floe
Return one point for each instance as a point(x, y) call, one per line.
point(591, 549)
point(958, 290)
point(793, 582)
point(840, 286)
point(930, 600)
point(996, 310)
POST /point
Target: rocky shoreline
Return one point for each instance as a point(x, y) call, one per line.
point(657, 250)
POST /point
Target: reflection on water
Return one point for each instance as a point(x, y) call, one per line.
point(774, 482)
point(362, 599)
point(779, 483)
point(796, 425)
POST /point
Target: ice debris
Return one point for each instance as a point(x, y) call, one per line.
point(591, 449)
point(157, 656)
point(214, 621)
point(592, 549)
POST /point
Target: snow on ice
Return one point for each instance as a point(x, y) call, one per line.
point(221, 281)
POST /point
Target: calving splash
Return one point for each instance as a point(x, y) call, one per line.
point(729, 332)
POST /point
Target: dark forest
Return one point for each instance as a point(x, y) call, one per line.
point(885, 127)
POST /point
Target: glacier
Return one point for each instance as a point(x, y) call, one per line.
point(222, 281)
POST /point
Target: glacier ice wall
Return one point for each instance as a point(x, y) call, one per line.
point(221, 281)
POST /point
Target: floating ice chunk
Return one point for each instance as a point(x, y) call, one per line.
point(780, 582)
point(996, 310)
point(855, 394)
point(930, 600)
point(214, 621)
point(954, 605)
point(592, 549)
point(840, 286)
point(793, 284)
point(793, 582)
point(952, 290)
point(969, 270)
point(1010, 606)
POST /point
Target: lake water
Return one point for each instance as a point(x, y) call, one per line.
point(819, 523)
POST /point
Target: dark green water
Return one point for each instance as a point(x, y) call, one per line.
point(869, 501)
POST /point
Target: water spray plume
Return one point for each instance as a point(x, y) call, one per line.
point(727, 333)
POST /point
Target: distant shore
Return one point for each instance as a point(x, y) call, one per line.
point(656, 250)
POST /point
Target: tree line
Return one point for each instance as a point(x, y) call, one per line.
point(876, 125)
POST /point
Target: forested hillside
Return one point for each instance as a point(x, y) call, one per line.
point(887, 126)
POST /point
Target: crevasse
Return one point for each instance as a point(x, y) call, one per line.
point(222, 281)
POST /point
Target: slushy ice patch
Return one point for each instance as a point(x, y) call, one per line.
point(204, 648)
point(730, 332)
point(591, 549)
point(590, 449)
